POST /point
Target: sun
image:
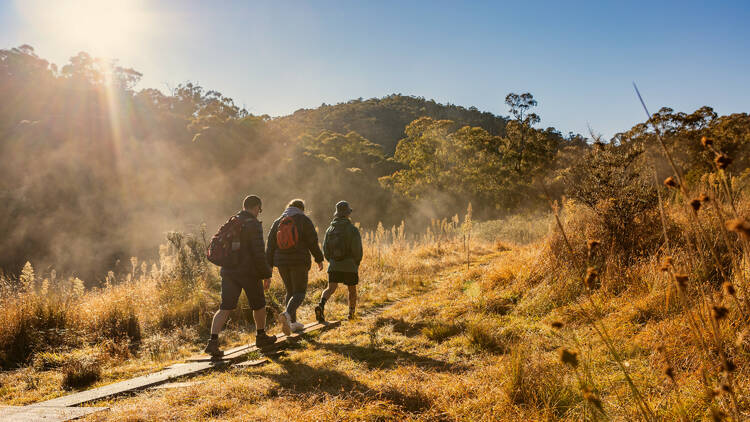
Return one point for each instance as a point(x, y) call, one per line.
point(100, 27)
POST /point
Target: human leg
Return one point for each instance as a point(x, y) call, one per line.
point(299, 289)
point(257, 300)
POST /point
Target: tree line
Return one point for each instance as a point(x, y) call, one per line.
point(94, 170)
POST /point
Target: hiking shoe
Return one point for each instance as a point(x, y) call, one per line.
point(212, 348)
point(286, 322)
point(319, 314)
point(297, 327)
point(352, 314)
point(263, 339)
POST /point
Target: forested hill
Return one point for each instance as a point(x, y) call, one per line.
point(383, 120)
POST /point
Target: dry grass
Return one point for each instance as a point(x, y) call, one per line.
point(437, 341)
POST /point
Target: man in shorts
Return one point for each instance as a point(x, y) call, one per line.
point(252, 274)
point(342, 248)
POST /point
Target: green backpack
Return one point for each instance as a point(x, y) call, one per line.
point(338, 242)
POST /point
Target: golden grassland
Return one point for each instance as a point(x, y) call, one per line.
point(541, 326)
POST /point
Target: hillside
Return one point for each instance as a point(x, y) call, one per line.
point(383, 120)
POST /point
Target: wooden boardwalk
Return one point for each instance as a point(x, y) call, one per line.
point(193, 366)
point(49, 414)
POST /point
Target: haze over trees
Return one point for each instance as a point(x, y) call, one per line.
point(94, 171)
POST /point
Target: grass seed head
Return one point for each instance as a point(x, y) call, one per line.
point(728, 366)
point(667, 263)
point(670, 182)
point(696, 204)
point(717, 415)
point(719, 312)
point(722, 160)
point(569, 357)
point(592, 398)
point(706, 142)
point(682, 280)
point(739, 225)
point(725, 388)
point(669, 372)
point(591, 275)
point(729, 288)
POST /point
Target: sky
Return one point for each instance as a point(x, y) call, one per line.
point(579, 59)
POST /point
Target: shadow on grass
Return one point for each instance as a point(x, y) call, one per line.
point(386, 359)
point(301, 378)
point(408, 329)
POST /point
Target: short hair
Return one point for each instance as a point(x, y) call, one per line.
point(250, 202)
point(297, 203)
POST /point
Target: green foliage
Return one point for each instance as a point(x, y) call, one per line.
point(611, 181)
point(470, 164)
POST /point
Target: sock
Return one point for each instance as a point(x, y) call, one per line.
point(214, 336)
point(260, 332)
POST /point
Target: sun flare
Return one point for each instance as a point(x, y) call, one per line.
point(100, 27)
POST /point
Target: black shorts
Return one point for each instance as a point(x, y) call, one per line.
point(231, 287)
point(350, 279)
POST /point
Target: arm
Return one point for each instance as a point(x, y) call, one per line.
point(325, 240)
point(311, 239)
point(356, 246)
point(257, 256)
point(271, 244)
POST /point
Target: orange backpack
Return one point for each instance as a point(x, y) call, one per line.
point(287, 235)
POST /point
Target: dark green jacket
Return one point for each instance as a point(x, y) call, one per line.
point(349, 264)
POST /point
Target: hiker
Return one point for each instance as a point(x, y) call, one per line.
point(342, 246)
point(242, 268)
point(291, 241)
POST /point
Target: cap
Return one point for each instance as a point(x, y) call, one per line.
point(342, 209)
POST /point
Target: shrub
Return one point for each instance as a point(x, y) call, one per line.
point(30, 323)
point(609, 181)
point(119, 322)
point(80, 373)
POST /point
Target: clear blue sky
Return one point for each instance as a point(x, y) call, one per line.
point(577, 58)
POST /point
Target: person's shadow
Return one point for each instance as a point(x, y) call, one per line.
point(301, 378)
point(374, 357)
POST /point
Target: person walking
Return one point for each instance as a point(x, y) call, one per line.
point(291, 241)
point(342, 246)
point(238, 248)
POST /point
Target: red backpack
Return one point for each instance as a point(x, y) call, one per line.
point(224, 248)
point(287, 235)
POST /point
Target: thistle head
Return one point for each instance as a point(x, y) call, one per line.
point(740, 226)
point(719, 312)
point(591, 276)
point(681, 280)
point(569, 357)
point(669, 372)
point(557, 325)
point(729, 289)
point(706, 142)
point(695, 204)
point(671, 182)
point(722, 160)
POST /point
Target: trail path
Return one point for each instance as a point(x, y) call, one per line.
point(67, 407)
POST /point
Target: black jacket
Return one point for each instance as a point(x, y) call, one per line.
point(300, 254)
point(252, 260)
